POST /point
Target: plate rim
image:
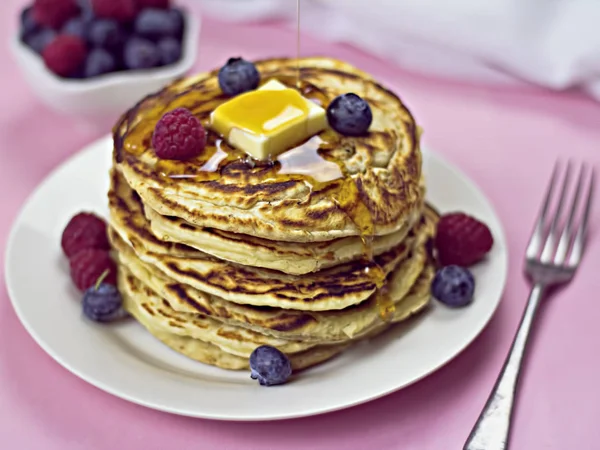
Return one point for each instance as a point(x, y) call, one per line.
point(500, 237)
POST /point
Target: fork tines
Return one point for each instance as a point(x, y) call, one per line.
point(561, 227)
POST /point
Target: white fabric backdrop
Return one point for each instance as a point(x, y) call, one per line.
point(552, 43)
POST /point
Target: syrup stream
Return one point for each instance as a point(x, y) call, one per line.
point(298, 43)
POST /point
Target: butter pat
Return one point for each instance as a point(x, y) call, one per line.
point(268, 121)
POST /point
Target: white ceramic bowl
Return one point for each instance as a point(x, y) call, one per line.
point(109, 94)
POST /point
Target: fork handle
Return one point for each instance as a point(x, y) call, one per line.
point(491, 431)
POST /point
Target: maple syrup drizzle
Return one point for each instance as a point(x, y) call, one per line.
point(367, 243)
point(306, 160)
point(213, 164)
point(386, 306)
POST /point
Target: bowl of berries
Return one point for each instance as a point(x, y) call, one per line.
point(98, 57)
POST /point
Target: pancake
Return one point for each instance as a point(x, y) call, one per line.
point(326, 326)
point(330, 289)
point(288, 257)
point(209, 353)
point(293, 258)
point(157, 311)
point(378, 189)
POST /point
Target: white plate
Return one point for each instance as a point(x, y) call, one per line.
point(128, 362)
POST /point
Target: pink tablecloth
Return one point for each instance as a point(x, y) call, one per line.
point(506, 140)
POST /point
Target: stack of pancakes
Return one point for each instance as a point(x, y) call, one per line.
point(309, 253)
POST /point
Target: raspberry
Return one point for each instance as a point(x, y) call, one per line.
point(178, 135)
point(462, 240)
point(65, 55)
point(161, 4)
point(84, 231)
point(121, 10)
point(54, 13)
point(88, 265)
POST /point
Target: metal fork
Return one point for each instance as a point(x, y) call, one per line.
point(551, 259)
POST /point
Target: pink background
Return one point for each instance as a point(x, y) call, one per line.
point(506, 140)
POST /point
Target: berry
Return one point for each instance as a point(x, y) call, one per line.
point(161, 4)
point(155, 23)
point(39, 40)
point(85, 5)
point(238, 76)
point(87, 12)
point(65, 55)
point(453, 286)
point(170, 50)
point(103, 303)
point(87, 266)
point(106, 33)
point(76, 27)
point(28, 22)
point(140, 54)
point(99, 62)
point(350, 115)
point(462, 240)
point(84, 231)
point(269, 366)
point(54, 13)
point(179, 19)
point(121, 10)
point(178, 135)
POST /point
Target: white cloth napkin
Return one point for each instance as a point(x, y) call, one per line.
point(551, 43)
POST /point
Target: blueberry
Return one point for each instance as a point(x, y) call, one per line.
point(99, 61)
point(269, 366)
point(155, 23)
point(103, 304)
point(87, 12)
point(84, 5)
point(38, 40)
point(453, 286)
point(106, 33)
point(238, 76)
point(28, 23)
point(178, 19)
point(350, 115)
point(140, 54)
point(76, 27)
point(170, 50)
